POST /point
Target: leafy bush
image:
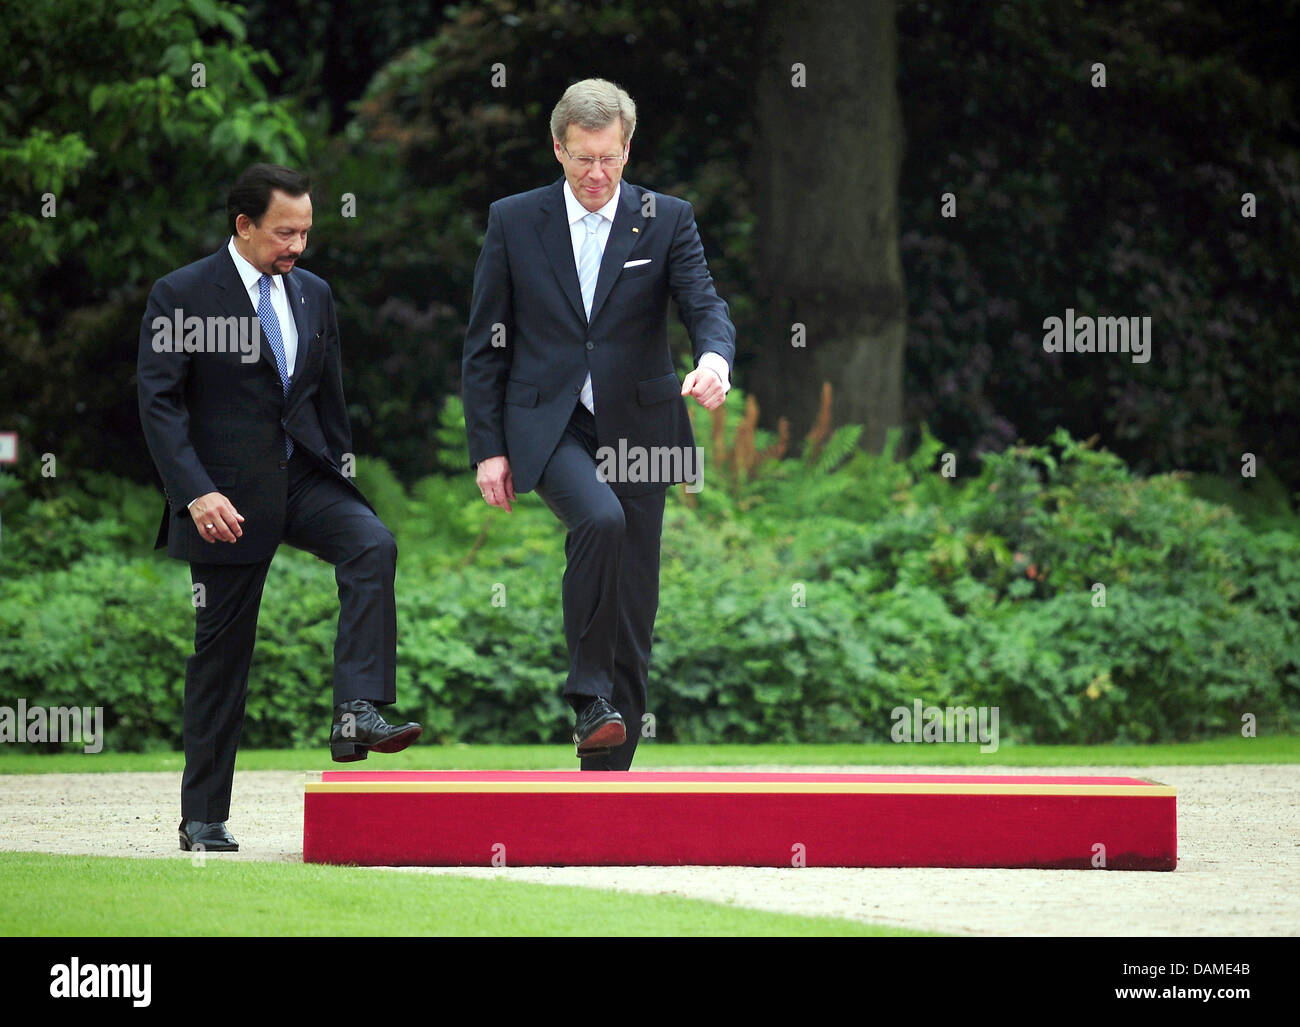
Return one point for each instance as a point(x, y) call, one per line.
point(802, 599)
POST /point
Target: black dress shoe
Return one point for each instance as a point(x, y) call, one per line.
point(359, 727)
point(599, 727)
point(195, 834)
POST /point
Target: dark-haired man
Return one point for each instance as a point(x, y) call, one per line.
point(241, 400)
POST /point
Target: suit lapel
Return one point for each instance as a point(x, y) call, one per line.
point(298, 306)
point(619, 244)
point(557, 242)
point(232, 297)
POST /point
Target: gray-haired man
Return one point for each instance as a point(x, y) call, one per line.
point(569, 382)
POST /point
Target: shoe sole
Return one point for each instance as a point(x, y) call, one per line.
point(604, 738)
point(351, 752)
point(399, 742)
point(186, 847)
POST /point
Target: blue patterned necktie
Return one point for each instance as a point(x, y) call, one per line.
point(271, 329)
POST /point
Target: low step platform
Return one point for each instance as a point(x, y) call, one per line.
point(715, 818)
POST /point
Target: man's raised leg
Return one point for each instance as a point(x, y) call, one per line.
point(327, 519)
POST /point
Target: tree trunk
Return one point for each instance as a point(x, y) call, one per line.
point(827, 174)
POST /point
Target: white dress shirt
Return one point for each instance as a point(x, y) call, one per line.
point(250, 276)
point(715, 362)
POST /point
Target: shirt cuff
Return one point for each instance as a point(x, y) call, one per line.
point(717, 363)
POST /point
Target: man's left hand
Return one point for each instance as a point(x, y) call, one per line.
point(704, 384)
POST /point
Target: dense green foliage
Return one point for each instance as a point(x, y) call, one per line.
point(1122, 200)
point(974, 589)
point(802, 600)
point(1115, 200)
point(103, 114)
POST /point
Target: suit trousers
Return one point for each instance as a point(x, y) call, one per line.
point(611, 581)
point(326, 519)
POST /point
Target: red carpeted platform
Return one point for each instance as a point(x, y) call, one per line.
point(567, 818)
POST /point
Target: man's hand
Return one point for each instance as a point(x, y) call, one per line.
point(496, 482)
point(216, 518)
point(704, 384)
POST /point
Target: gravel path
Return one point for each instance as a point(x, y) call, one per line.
point(1238, 869)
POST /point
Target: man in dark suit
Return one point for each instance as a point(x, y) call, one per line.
point(569, 389)
point(241, 400)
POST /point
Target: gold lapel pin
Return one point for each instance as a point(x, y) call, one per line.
point(635, 230)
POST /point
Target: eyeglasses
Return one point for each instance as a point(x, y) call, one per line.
point(587, 163)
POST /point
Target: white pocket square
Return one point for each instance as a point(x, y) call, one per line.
point(636, 263)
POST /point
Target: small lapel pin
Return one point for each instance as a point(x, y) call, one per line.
point(635, 230)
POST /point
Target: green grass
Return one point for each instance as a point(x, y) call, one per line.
point(652, 755)
point(94, 896)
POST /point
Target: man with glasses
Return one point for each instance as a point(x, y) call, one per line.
point(569, 389)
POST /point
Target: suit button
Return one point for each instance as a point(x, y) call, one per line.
point(284, 464)
point(590, 344)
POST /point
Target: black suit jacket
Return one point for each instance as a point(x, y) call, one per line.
point(519, 396)
point(216, 422)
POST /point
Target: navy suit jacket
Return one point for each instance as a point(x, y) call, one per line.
point(216, 422)
point(520, 392)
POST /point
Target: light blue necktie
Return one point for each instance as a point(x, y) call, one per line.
point(588, 271)
point(589, 261)
point(271, 329)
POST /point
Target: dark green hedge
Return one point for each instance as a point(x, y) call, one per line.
point(973, 590)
